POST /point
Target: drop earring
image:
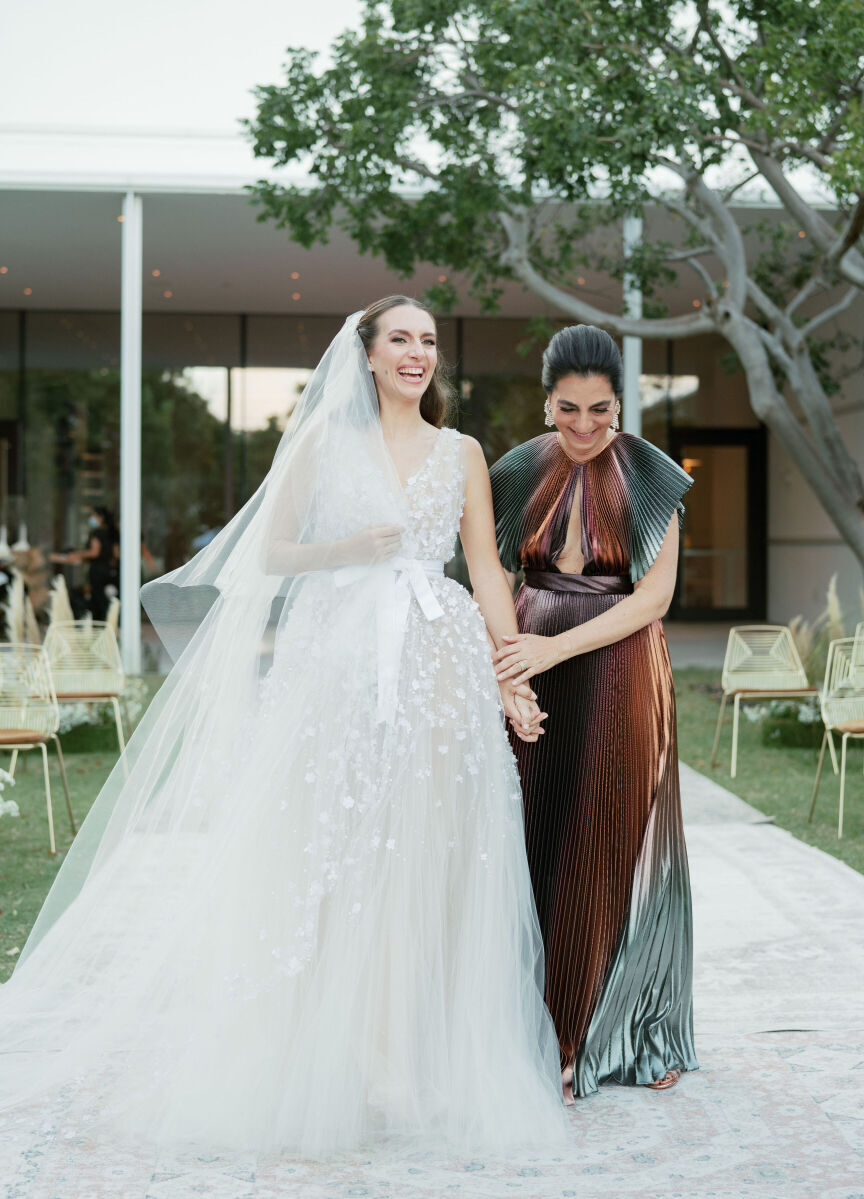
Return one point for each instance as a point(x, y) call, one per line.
point(547, 408)
point(614, 425)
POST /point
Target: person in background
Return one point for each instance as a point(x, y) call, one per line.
point(101, 557)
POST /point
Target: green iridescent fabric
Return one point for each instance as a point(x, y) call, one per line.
point(652, 482)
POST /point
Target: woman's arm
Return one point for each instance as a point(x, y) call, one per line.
point(492, 591)
point(377, 543)
point(286, 555)
point(650, 600)
point(76, 557)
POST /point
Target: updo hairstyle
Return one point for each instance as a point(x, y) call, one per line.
point(582, 350)
point(435, 401)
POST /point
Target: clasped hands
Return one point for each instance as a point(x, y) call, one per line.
point(519, 659)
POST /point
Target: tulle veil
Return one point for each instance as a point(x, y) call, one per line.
point(161, 815)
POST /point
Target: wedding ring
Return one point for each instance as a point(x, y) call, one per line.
point(523, 665)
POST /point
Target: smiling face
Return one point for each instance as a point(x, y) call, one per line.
point(404, 354)
point(583, 409)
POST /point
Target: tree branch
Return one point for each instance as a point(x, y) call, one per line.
point(710, 284)
point(828, 315)
point(693, 219)
point(733, 188)
point(706, 23)
point(821, 419)
point(455, 99)
point(814, 283)
point(851, 263)
point(827, 139)
point(811, 459)
point(516, 257)
point(684, 255)
point(731, 243)
point(853, 231)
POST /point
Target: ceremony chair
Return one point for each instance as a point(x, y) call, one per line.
point(842, 703)
point(761, 662)
point(29, 716)
point(86, 666)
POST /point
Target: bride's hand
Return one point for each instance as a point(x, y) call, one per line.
point(523, 713)
point(377, 543)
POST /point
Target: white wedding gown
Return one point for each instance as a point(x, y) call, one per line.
point(362, 957)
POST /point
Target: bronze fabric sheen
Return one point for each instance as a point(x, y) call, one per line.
point(602, 805)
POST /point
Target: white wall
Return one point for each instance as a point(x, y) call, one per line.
point(804, 547)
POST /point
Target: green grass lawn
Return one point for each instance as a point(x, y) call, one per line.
point(27, 869)
point(776, 780)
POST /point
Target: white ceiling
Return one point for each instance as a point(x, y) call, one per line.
point(212, 255)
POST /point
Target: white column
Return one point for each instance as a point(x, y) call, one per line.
point(130, 434)
point(632, 407)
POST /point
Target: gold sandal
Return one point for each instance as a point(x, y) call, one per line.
point(665, 1084)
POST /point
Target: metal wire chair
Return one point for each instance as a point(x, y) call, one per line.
point(86, 666)
point(29, 716)
point(842, 703)
point(761, 662)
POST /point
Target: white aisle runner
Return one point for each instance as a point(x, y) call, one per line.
point(776, 1112)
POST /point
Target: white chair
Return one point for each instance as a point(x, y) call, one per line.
point(86, 666)
point(29, 716)
point(842, 703)
point(761, 662)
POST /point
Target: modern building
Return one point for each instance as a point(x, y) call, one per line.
point(235, 315)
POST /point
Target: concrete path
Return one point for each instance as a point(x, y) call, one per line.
point(776, 1111)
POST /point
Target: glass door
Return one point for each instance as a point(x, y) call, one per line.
point(721, 572)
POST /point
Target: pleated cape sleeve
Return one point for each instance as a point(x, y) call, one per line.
point(656, 486)
point(653, 483)
point(515, 478)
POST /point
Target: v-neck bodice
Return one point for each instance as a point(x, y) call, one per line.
point(433, 498)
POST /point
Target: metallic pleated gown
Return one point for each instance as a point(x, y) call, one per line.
point(602, 802)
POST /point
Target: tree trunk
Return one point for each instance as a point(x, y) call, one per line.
point(768, 404)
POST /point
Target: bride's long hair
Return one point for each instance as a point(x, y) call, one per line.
point(437, 399)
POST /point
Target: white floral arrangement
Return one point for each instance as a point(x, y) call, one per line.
point(806, 711)
point(8, 807)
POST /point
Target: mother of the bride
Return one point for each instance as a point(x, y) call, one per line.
point(592, 516)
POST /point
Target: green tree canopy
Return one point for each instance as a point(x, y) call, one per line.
point(493, 137)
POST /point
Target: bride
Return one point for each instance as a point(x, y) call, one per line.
point(305, 919)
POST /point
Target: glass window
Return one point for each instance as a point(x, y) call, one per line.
point(715, 546)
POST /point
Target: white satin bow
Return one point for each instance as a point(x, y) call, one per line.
point(396, 580)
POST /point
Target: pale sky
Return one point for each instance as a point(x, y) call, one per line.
point(83, 84)
point(167, 65)
point(257, 392)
